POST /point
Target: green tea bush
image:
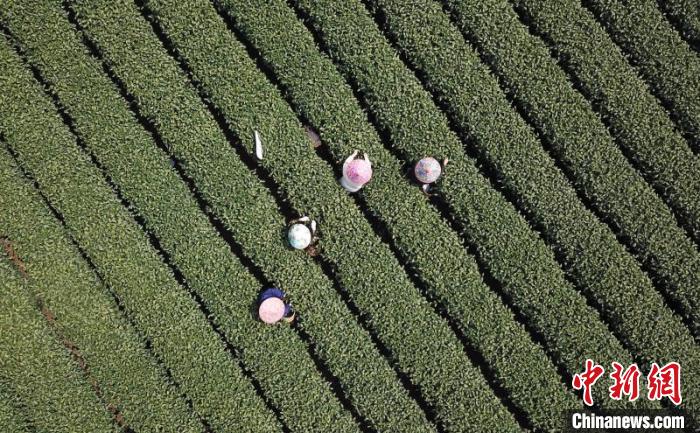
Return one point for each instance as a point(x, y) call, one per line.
point(101, 118)
point(637, 120)
point(665, 60)
point(379, 287)
point(515, 255)
point(686, 14)
point(129, 378)
point(424, 34)
point(165, 313)
point(52, 390)
point(12, 418)
point(582, 145)
point(428, 244)
point(480, 117)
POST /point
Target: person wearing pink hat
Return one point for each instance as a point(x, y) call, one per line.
point(272, 307)
point(356, 172)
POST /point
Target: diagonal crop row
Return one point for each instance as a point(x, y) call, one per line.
point(100, 118)
point(130, 384)
point(12, 418)
point(638, 122)
point(166, 314)
point(588, 253)
point(255, 222)
point(581, 144)
point(666, 62)
point(128, 378)
point(585, 147)
point(684, 14)
point(599, 265)
point(379, 287)
point(523, 264)
point(434, 251)
point(49, 385)
point(653, 306)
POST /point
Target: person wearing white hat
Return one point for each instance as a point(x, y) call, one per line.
point(272, 307)
point(302, 234)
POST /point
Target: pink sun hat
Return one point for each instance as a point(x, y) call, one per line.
point(356, 173)
point(271, 310)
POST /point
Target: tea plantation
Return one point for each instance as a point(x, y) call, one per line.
point(138, 224)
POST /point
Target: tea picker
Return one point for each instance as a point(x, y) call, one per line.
point(427, 171)
point(356, 172)
point(272, 307)
point(301, 234)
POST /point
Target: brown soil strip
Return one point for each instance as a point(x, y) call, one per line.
point(82, 363)
point(14, 258)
